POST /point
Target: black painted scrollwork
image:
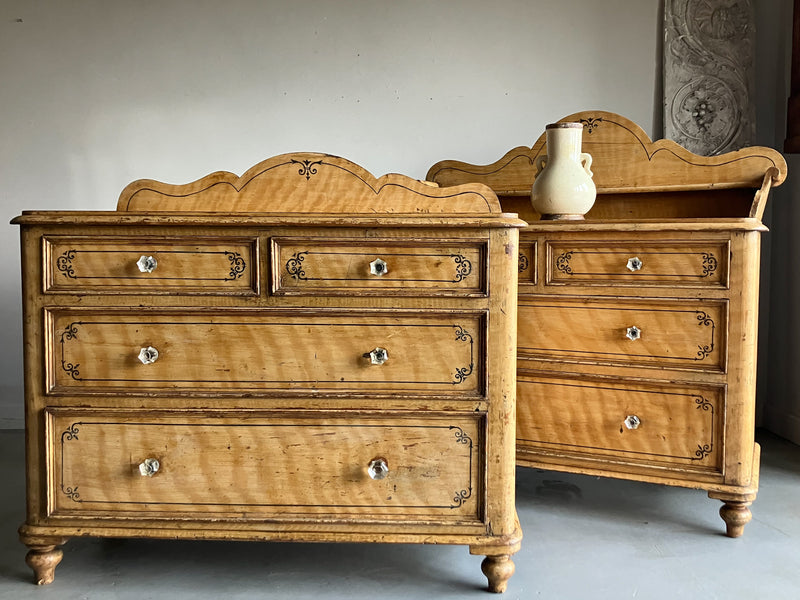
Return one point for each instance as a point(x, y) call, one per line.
point(523, 263)
point(238, 265)
point(307, 167)
point(591, 123)
point(463, 266)
point(705, 320)
point(294, 266)
point(70, 333)
point(562, 262)
point(64, 264)
point(703, 451)
point(709, 264)
point(463, 372)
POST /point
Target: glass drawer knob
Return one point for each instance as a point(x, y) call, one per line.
point(148, 355)
point(635, 263)
point(378, 267)
point(633, 333)
point(377, 356)
point(632, 422)
point(147, 264)
point(149, 467)
point(378, 468)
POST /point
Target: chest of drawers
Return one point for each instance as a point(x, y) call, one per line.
point(302, 353)
point(638, 326)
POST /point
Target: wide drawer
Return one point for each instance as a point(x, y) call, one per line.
point(277, 466)
point(251, 350)
point(671, 425)
point(642, 263)
point(682, 334)
point(126, 265)
point(418, 267)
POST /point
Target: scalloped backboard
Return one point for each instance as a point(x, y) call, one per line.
point(624, 160)
point(307, 183)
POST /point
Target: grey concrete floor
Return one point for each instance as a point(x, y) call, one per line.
point(585, 538)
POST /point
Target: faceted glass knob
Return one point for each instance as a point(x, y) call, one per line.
point(377, 356)
point(149, 467)
point(634, 264)
point(148, 355)
point(632, 422)
point(378, 267)
point(147, 264)
point(633, 333)
point(378, 468)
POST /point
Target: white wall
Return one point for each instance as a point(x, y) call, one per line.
point(95, 94)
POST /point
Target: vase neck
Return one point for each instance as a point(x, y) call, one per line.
point(564, 143)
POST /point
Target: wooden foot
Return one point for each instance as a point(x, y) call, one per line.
point(498, 570)
point(736, 515)
point(44, 560)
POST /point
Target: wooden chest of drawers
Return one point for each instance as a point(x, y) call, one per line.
point(302, 353)
point(638, 326)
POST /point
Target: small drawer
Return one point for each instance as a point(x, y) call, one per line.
point(261, 350)
point(680, 334)
point(316, 266)
point(527, 262)
point(622, 421)
point(671, 264)
point(270, 465)
point(126, 265)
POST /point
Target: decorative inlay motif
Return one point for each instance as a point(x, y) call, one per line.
point(705, 320)
point(562, 263)
point(523, 262)
point(703, 404)
point(463, 372)
point(307, 167)
point(64, 264)
point(463, 266)
point(70, 433)
point(294, 266)
point(70, 333)
point(708, 74)
point(709, 264)
point(238, 265)
point(590, 123)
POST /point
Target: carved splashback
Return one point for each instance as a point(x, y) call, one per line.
point(306, 183)
point(625, 160)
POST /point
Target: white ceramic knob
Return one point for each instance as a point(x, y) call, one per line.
point(378, 356)
point(634, 263)
point(632, 422)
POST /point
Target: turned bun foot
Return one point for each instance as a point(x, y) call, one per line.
point(44, 560)
point(498, 570)
point(736, 515)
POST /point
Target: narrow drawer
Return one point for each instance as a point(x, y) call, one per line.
point(681, 263)
point(681, 334)
point(252, 350)
point(276, 466)
point(623, 421)
point(311, 266)
point(126, 265)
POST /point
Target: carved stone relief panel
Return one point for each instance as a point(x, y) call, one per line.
point(708, 74)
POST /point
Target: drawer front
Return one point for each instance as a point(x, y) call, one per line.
point(319, 266)
point(623, 421)
point(124, 265)
point(269, 466)
point(527, 262)
point(251, 350)
point(684, 264)
point(681, 334)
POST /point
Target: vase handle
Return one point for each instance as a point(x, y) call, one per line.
point(586, 160)
point(540, 162)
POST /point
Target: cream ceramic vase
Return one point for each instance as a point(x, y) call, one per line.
point(563, 188)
